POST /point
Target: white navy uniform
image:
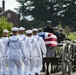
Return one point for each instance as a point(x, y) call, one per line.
point(1, 55)
point(16, 51)
point(5, 60)
point(42, 44)
point(43, 50)
point(28, 52)
point(35, 53)
point(22, 36)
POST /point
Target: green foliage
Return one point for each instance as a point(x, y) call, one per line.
point(59, 25)
point(61, 10)
point(58, 51)
point(4, 24)
point(72, 36)
point(67, 30)
point(32, 24)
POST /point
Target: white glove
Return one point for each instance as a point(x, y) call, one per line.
point(44, 55)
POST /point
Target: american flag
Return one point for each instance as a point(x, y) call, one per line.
point(49, 38)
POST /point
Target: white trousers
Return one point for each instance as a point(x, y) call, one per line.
point(33, 62)
point(0, 65)
point(39, 64)
point(4, 63)
point(15, 61)
point(26, 66)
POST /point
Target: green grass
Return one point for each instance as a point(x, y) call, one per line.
point(72, 36)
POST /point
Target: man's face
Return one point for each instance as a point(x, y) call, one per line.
point(21, 31)
point(5, 34)
point(15, 32)
point(56, 30)
point(35, 32)
point(61, 31)
point(48, 23)
point(29, 35)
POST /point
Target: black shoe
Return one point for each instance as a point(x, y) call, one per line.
point(52, 72)
point(47, 73)
point(43, 70)
point(36, 73)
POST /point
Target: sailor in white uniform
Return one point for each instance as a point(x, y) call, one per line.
point(35, 53)
point(21, 32)
point(5, 60)
point(42, 47)
point(16, 51)
point(1, 55)
point(28, 50)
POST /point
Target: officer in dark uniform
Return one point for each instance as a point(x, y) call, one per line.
point(48, 28)
point(62, 35)
point(57, 33)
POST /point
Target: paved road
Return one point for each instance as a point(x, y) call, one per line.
point(58, 73)
point(53, 74)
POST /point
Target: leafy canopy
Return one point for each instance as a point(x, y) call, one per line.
point(4, 24)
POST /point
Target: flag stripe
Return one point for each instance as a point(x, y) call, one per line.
point(50, 40)
point(53, 39)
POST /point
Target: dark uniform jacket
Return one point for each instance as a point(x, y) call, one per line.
point(59, 37)
point(48, 29)
point(63, 36)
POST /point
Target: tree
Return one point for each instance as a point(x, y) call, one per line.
point(60, 25)
point(24, 8)
point(32, 24)
point(54, 10)
point(4, 24)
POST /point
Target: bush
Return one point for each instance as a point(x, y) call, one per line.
point(4, 24)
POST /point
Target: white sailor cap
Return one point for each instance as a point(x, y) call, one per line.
point(40, 29)
point(55, 27)
point(49, 21)
point(61, 29)
point(35, 29)
point(5, 31)
point(21, 28)
point(14, 29)
point(28, 31)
